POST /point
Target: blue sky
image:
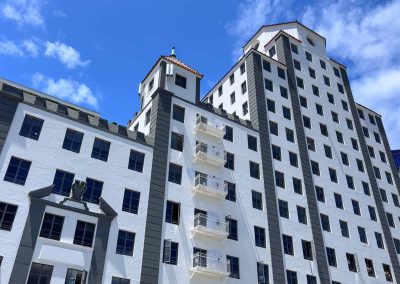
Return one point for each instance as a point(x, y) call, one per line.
point(95, 53)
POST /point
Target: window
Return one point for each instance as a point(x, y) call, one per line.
point(320, 193)
point(175, 173)
point(272, 51)
point(40, 273)
point(325, 223)
point(234, 266)
point(308, 56)
point(371, 119)
point(131, 201)
point(268, 85)
point(351, 262)
point(331, 99)
point(311, 72)
point(296, 64)
point(383, 195)
point(74, 276)
point(365, 131)
point(244, 87)
point(383, 157)
point(388, 273)
point(324, 129)
point(283, 209)
point(284, 92)
point(93, 191)
point(377, 173)
point(271, 105)
point(242, 69)
point(228, 133)
point(389, 178)
point(273, 128)
point(372, 213)
point(17, 171)
point(262, 273)
point(300, 82)
point(340, 88)
point(172, 214)
point(233, 228)
point(279, 179)
point(307, 250)
point(297, 187)
point(315, 90)
point(360, 113)
point(294, 49)
point(72, 140)
point(306, 122)
point(100, 149)
point(366, 188)
point(286, 112)
point(117, 280)
point(362, 234)
point(52, 226)
point(354, 144)
point(377, 138)
point(180, 81)
point(220, 90)
point(7, 215)
point(360, 165)
point(339, 137)
point(31, 127)
point(395, 200)
point(177, 141)
point(259, 234)
point(345, 106)
point(276, 153)
point(293, 159)
point(62, 183)
point(349, 124)
point(231, 195)
point(229, 161)
point(396, 243)
point(336, 72)
point(350, 182)
point(345, 158)
point(379, 241)
point(303, 101)
point(256, 198)
point(281, 73)
point(327, 81)
point(245, 108)
point(323, 64)
point(170, 254)
point(333, 175)
point(370, 267)
point(84, 233)
point(319, 109)
point(252, 142)
point(291, 276)
point(287, 244)
point(254, 170)
point(335, 117)
point(178, 113)
point(315, 168)
point(125, 243)
point(330, 252)
point(233, 98)
point(371, 152)
point(289, 135)
point(151, 84)
point(328, 151)
point(356, 207)
point(312, 279)
point(338, 200)
point(344, 228)
point(302, 215)
point(390, 220)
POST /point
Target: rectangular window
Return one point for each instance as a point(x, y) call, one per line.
point(170, 254)
point(276, 153)
point(365, 131)
point(279, 179)
point(312, 73)
point(175, 173)
point(300, 82)
point(284, 92)
point(366, 188)
point(232, 78)
point(325, 223)
point(387, 272)
point(383, 195)
point(335, 116)
point(312, 279)
point(351, 262)
point(362, 234)
point(281, 73)
point(345, 106)
point(328, 151)
point(333, 175)
point(283, 209)
point(306, 122)
point(294, 49)
point(296, 64)
point(136, 161)
point(324, 129)
point(259, 234)
point(303, 102)
point(233, 98)
point(349, 124)
point(220, 91)
point(377, 173)
point(252, 143)
point(233, 228)
point(117, 280)
point(173, 211)
point(291, 277)
point(266, 65)
point(354, 144)
point(315, 90)
point(262, 273)
point(389, 178)
point(272, 51)
point(229, 161)
point(331, 98)
point(17, 171)
point(372, 213)
point(125, 243)
point(254, 170)
point(62, 183)
point(396, 243)
point(307, 250)
point(256, 198)
point(383, 157)
point(356, 207)
point(308, 56)
point(234, 266)
point(320, 193)
point(7, 215)
point(289, 135)
point(245, 108)
point(344, 228)
point(331, 255)
point(268, 85)
point(395, 200)
point(231, 188)
point(100, 149)
point(286, 113)
point(40, 273)
point(370, 267)
point(390, 220)
point(131, 201)
point(297, 187)
point(287, 244)
point(377, 138)
point(177, 141)
point(271, 105)
point(52, 226)
point(243, 87)
point(293, 159)
point(340, 88)
point(319, 109)
point(379, 241)
point(315, 168)
point(273, 128)
point(93, 191)
point(242, 69)
point(31, 127)
point(180, 81)
point(350, 182)
point(73, 140)
point(327, 81)
point(178, 113)
point(323, 64)
point(75, 276)
point(84, 233)
point(228, 133)
point(338, 200)
point(339, 137)
point(301, 215)
point(147, 117)
point(345, 158)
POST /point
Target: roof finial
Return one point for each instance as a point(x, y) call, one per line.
point(173, 52)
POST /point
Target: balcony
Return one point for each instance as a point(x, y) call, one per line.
point(210, 227)
point(210, 266)
point(210, 127)
point(209, 186)
point(209, 154)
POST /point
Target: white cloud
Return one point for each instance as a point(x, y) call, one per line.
point(66, 54)
point(24, 12)
point(65, 89)
point(60, 13)
point(26, 48)
point(31, 47)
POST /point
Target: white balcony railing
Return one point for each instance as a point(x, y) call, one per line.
point(210, 227)
point(215, 267)
point(210, 186)
point(210, 127)
point(210, 154)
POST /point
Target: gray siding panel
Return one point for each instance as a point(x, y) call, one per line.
point(285, 56)
point(374, 184)
point(259, 119)
point(8, 107)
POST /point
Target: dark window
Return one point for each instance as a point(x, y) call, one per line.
point(308, 56)
point(273, 128)
point(266, 65)
point(390, 220)
point(345, 158)
point(175, 173)
point(330, 253)
point(365, 131)
point(84, 234)
point(360, 113)
point(300, 82)
point(312, 73)
point(333, 175)
point(289, 135)
point(324, 129)
point(147, 117)
point(283, 209)
point(268, 85)
point(125, 243)
point(234, 266)
point(232, 78)
point(335, 117)
point(40, 274)
point(287, 244)
point(233, 98)
point(336, 71)
point(389, 178)
point(281, 73)
point(178, 113)
point(312, 279)
point(254, 170)
point(271, 105)
point(17, 171)
point(303, 101)
point(279, 179)
point(284, 92)
point(291, 277)
point(344, 229)
point(297, 187)
point(259, 234)
point(231, 188)
point(180, 81)
point(306, 121)
point(323, 64)
point(245, 108)
point(315, 90)
point(63, 182)
point(93, 191)
point(383, 157)
point(327, 81)
point(52, 226)
point(371, 152)
point(117, 280)
point(7, 215)
point(370, 267)
point(73, 140)
point(293, 159)
point(307, 250)
point(131, 201)
point(243, 87)
point(395, 200)
point(301, 215)
point(328, 151)
point(379, 241)
point(31, 127)
point(377, 138)
point(383, 195)
point(315, 168)
point(325, 223)
point(276, 153)
point(372, 213)
point(136, 161)
point(294, 49)
point(262, 273)
point(319, 109)
point(242, 69)
point(320, 193)
point(396, 243)
point(366, 188)
point(356, 207)
point(338, 200)
point(351, 262)
point(377, 173)
point(387, 272)
point(100, 149)
point(354, 144)
point(339, 137)
point(75, 276)
point(252, 142)
point(233, 228)
point(371, 119)
point(177, 141)
point(272, 51)
point(286, 112)
point(362, 234)
point(173, 211)
point(340, 88)
point(297, 64)
point(229, 161)
point(345, 106)
point(220, 90)
point(170, 254)
point(256, 198)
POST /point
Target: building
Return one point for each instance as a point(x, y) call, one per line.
point(396, 157)
point(275, 176)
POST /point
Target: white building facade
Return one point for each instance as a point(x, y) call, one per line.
point(275, 176)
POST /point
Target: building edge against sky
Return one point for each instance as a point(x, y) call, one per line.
point(275, 176)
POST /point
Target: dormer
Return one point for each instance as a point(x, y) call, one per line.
point(173, 75)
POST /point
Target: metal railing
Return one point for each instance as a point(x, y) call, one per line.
point(212, 184)
point(212, 151)
point(212, 264)
point(202, 120)
point(211, 223)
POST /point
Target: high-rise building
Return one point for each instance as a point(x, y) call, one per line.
point(396, 157)
point(275, 176)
